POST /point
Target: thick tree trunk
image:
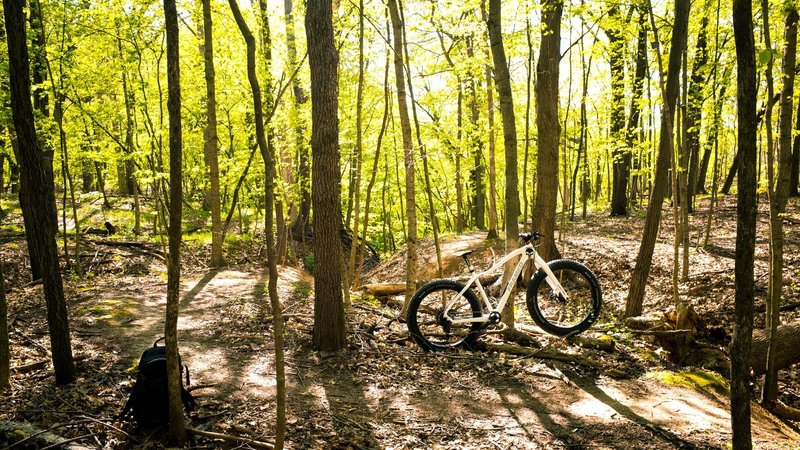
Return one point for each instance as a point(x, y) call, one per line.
point(786, 348)
point(329, 318)
point(37, 196)
point(177, 428)
point(547, 122)
point(746, 223)
point(494, 25)
point(634, 127)
point(644, 258)
point(5, 353)
point(621, 152)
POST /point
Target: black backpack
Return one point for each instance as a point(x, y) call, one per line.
point(148, 403)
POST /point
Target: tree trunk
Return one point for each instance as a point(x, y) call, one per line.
point(211, 140)
point(300, 227)
point(634, 127)
point(474, 136)
point(5, 353)
point(745, 223)
point(547, 122)
point(786, 348)
point(177, 428)
point(37, 196)
point(329, 319)
point(494, 25)
point(644, 258)
point(794, 173)
point(694, 108)
point(270, 204)
point(621, 153)
point(351, 267)
point(492, 203)
point(778, 196)
point(408, 151)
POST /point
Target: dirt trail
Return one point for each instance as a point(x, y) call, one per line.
point(397, 397)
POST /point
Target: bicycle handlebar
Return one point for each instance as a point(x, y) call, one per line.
point(527, 237)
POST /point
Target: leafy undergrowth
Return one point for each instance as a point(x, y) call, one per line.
point(383, 392)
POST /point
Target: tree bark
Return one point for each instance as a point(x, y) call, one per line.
point(323, 59)
point(503, 82)
point(778, 196)
point(745, 223)
point(479, 190)
point(5, 353)
point(177, 427)
point(37, 196)
point(408, 151)
point(547, 122)
point(271, 204)
point(644, 257)
point(694, 108)
point(211, 140)
point(621, 152)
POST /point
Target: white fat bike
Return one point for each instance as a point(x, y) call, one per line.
point(563, 298)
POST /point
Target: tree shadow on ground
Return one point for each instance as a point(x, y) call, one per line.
point(589, 385)
point(330, 382)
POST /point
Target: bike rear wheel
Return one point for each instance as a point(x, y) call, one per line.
point(562, 316)
point(426, 320)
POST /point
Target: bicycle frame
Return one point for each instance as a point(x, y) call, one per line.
point(525, 253)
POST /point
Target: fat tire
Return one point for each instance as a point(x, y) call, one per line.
point(593, 309)
point(468, 341)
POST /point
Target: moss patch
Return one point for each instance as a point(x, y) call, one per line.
point(111, 311)
point(701, 381)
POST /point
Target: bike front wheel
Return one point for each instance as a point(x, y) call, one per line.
point(556, 314)
point(432, 327)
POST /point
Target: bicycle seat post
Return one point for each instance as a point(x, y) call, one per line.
point(465, 255)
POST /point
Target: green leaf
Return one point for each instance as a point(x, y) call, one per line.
point(765, 56)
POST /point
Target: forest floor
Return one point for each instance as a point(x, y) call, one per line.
point(383, 391)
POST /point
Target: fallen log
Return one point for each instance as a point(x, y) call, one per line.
point(788, 348)
point(25, 436)
point(544, 353)
point(383, 289)
point(231, 438)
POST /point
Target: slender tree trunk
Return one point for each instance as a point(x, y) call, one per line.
point(408, 151)
point(270, 205)
point(329, 319)
point(422, 149)
point(356, 194)
point(211, 140)
point(300, 227)
point(544, 212)
point(694, 108)
point(644, 258)
point(177, 428)
point(476, 143)
point(37, 196)
point(745, 224)
point(779, 193)
point(492, 170)
point(528, 81)
point(373, 176)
